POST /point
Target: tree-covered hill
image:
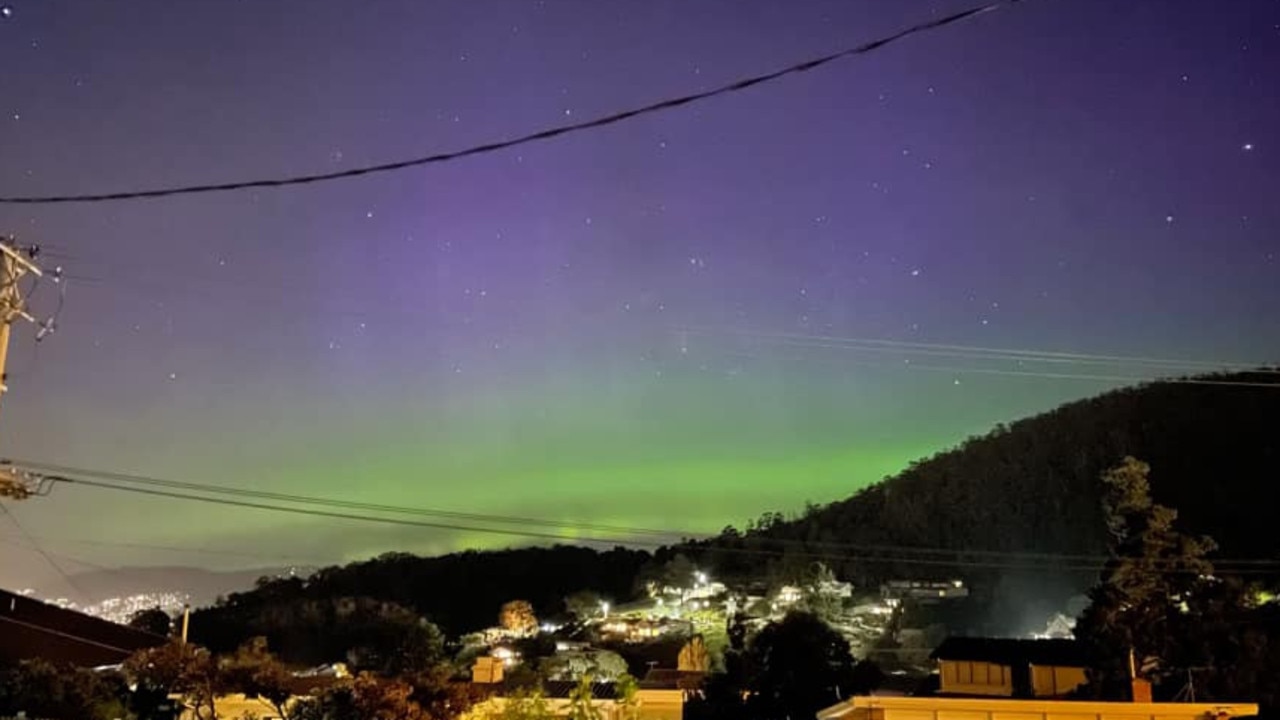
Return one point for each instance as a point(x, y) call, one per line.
point(460, 592)
point(980, 511)
point(1034, 487)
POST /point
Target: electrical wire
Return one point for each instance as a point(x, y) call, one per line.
point(831, 556)
point(48, 557)
point(332, 502)
point(1012, 560)
point(979, 352)
point(83, 563)
point(546, 134)
point(689, 536)
point(288, 560)
point(1207, 379)
point(69, 636)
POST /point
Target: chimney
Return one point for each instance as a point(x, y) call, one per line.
point(1139, 689)
point(487, 670)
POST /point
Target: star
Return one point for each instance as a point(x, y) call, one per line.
point(6, 11)
point(1168, 218)
point(1247, 147)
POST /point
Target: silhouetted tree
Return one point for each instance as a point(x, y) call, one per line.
point(255, 672)
point(439, 697)
point(604, 665)
point(42, 689)
point(797, 666)
point(693, 656)
point(1143, 600)
point(517, 616)
point(584, 604)
point(364, 698)
point(177, 668)
point(526, 704)
point(581, 706)
point(152, 620)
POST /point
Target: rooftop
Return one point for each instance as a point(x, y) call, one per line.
point(1013, 651)
point(33, 629)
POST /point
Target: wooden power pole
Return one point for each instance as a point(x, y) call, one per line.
point(14, 266)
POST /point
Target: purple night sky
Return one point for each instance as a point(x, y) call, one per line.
point(630, 325)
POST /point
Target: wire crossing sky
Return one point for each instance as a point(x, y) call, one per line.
point(498, 145)
point(679, 321)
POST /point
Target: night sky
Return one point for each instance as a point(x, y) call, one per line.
point(634, 325)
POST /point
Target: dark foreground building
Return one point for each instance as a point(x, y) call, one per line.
point(33, 629)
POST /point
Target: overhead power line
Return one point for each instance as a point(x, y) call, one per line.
point(561, 525)
point(1043, 375)
point(981, 352)
point(346, 504)
point(547, 134)
point(834, 551)
point(177, 550)
point(64, 635)
point(48, 557)
point(653, 544)
point(313, 512)
point(1159, 367)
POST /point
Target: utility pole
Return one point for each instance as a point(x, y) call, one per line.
point(15, 265)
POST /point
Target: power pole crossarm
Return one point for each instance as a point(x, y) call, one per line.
point(14, 266)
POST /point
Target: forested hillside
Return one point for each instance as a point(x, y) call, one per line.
point(979, 512)
point(460, 592)
point(1033, 487)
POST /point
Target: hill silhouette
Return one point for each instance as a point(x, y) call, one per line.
point(1034, 486)
point(460, 592)
point(980, 512)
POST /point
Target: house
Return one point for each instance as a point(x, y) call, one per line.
point(1007, 667)
point(251, 707)
point(639, 630)
point(1059, 626)
point(32, 629)
point(689, 682)
point(923, 591)
point(950, 708)
point(654, 701)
